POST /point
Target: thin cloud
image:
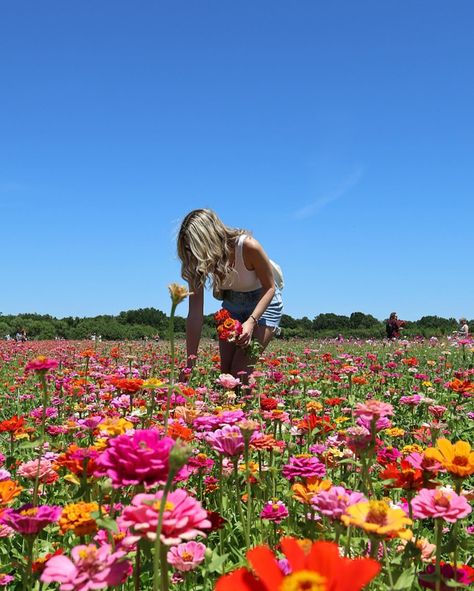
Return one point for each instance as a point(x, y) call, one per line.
point(344, 187)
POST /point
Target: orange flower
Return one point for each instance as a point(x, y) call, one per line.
point(8, 491)
point(314, 567)
point(461, 387)
point(178, 431)
point(377, 517)
point(13, 425)
point(76, 517)
point(305, 492)
point(129, 385)
point(458, 459)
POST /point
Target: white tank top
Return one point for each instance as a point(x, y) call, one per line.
point(241, 278)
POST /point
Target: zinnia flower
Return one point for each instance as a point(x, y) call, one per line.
point(77, 517)
point(228, 440)
point(303, 466)
point(440, 503)
point(458, 459)
point(334, 502)
point(141, 458)
point(377, 517)
point(320, 568)
point(41, 364)
point(9, 489)
point(183, 518)
point(187, 556)
point(90, 568)
point(29, 520)
point(274, 511)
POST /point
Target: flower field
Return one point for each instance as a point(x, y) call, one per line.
point(341, 466)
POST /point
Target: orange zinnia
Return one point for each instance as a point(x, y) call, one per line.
point(458, 459)
point(305, 492)
point(314, 567)
point(8, 491)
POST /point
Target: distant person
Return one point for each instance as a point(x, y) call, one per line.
point(394, 326)
point(463, 330)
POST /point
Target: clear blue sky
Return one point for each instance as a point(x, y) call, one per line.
point(341, 133)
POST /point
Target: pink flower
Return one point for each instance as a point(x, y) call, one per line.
point(5, 579)
point(183, 518)
point(303, 466)
point(187, 556)
point(441, 503)
point(227, 381)
point(274, 511)
point(373, 412)
point(30, 470)
point(228, 440)
point(140, 458)
point(41, 364)
point(90, 568)
point(334, 502)
point(29, 520)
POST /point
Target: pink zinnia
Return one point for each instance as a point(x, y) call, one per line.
point(303, 466)
point(46, 473)
point(228, 381)
point(29, 520)
point(373, 410)
point(274, 511)
point(334, 502)
point(228, 441)
point(142, 458)
point(183, 518)
point(41, 364)
point(441, 503)
point(187, 556)
point(90, 568)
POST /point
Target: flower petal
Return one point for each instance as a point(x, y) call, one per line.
point(266, 567)
point(239, 580)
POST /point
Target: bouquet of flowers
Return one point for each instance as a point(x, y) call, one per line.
point(228, 329)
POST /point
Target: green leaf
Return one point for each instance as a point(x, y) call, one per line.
point(405, 580)
point(217, 562)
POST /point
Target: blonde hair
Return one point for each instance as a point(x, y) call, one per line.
point(205, 244)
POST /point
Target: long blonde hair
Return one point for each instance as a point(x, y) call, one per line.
point(205, 245)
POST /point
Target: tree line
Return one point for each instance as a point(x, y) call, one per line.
point(149, 323)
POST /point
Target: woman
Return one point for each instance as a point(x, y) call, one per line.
point(241, 272)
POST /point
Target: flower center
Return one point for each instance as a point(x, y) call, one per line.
point(304, 580)
point(377, 512)
point(460, 460)
point(186, 556)
point(29, 512)
point(441, 499)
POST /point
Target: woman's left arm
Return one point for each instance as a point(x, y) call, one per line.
point(256, 258)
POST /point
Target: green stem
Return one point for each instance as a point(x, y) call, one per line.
point(172, 353)
point(157, 556)
point(438, 535)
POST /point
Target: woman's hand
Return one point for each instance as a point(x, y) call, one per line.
point(247, 332)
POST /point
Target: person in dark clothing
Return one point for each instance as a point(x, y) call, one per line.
point(393, 326)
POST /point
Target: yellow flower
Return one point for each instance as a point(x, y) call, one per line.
point(115, 426)
point(458, 459)
point(314, 405)
point(427, 384)
point(178, 293)
point(395, 432)
point(76, 517)
point(339, 420)
point(379, 518)
point(152, 383)
point(409, 449)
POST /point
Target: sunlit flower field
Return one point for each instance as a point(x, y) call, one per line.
point(341, 466)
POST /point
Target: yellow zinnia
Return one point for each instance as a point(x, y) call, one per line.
point(379, 518)
point(305, 492)
point(77, 517)
point(458, 459)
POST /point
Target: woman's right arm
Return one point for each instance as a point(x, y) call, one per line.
point(194, 324)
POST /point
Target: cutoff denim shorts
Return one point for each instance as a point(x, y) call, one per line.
point(241, 304)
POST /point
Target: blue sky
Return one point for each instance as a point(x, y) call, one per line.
point(341, 133)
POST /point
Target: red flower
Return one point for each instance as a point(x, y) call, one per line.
point(319, 569)
point(311, 422)
point(13, 425)
point(268, 403)
point(404, 476)
point(129, 385)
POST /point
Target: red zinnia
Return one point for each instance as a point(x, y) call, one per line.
point(13, 425)
point(319, 569)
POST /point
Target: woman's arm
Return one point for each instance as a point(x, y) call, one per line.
point(256, 258)
point(194, 324)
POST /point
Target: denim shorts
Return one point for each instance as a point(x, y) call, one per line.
point(241, 304)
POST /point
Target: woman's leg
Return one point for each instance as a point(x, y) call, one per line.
point(227, 351)
point(241, 361)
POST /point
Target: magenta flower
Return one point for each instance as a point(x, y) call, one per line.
point(228, 441)
point(274, 511)
point(303, 466)
point(373, 412)
point(334, 502)
point(41, 364)
point(29, 520)
point(187, 556)
point(5, 580)
point(183, 518)
point(441, 503)
point(142, 458)
point(90, 568)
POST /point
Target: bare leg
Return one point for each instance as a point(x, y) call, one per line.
point(241, 361)
point(227, 351)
